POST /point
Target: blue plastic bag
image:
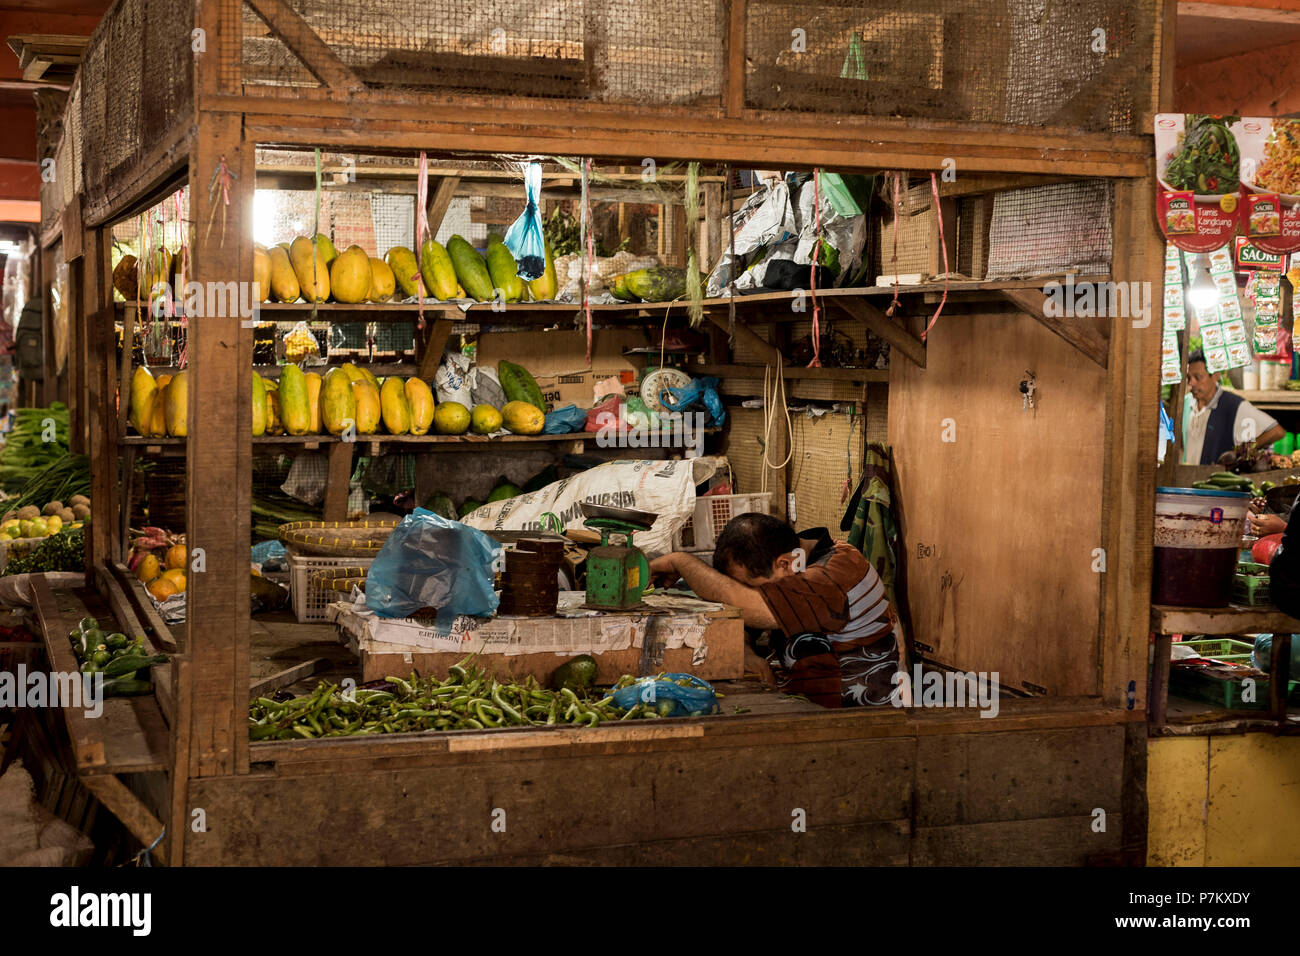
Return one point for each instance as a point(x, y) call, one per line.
point(270, 554)
point(1262, 657)
point(429, 561)
point(570, 418)
point(694, 701)
point(702, 391)
point(524, 238)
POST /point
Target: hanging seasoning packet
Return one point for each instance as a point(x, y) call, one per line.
point(1267, 292)
point(1175, 318)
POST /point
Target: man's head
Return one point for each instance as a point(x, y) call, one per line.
point(755, 548)
point(1199, 381)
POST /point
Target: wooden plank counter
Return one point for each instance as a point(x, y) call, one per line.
point(130, 735)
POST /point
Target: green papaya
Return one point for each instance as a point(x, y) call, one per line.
point(504, 270)
point(295, 409)
point(438, 272)
point(471, 270)
point(519, 385)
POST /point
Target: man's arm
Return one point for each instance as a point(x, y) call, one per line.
point(1273, 434)
point(713, 585)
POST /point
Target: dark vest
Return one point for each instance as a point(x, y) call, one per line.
point(1218, 430)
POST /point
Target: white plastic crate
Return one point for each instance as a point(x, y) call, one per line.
point(712, 512)
point(309, 601)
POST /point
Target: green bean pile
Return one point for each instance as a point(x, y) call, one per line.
point(469, 699)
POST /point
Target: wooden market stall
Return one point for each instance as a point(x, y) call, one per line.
point(1005, 508)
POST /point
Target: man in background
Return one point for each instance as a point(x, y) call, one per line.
point(1215, 421)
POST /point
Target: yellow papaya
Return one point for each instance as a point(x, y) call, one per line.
point(382, 282)
point(143, 391)
point(158, 414)
point(326, 247)
point(259, 405)
point(350, 275)
point(544, 288)
point(294, 406)
point(420, 398)
point(176, 405)
point(284, 281)
point(313, 402)
point(338, 402)
point(311, 268)
point(394, 407)
point(405, 270)
point(274, 419)
point(523, 418)
point(368, 413)
point(261, 274)
point(437, 270)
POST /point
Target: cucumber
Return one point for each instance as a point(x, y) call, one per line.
point(129, 663)
point(1226, 475)
point(126, 686)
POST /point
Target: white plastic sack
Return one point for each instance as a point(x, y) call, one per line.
point(666, 488)
point(451, 379)
point(485, 388)
point(308, 476)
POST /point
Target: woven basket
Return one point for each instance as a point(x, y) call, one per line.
point(339, 579)
point(337, 539)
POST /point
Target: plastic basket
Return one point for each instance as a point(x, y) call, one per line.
point(309, 601)
point(712, 512)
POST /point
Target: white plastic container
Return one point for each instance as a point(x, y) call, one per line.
point(1197, 542)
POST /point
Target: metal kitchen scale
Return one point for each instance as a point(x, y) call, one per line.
point(617, 574)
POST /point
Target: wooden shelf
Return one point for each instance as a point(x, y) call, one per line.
point(130, 736)
point(1274, 397)
point(314, 440)
point(534, 313)
point(1233, 619)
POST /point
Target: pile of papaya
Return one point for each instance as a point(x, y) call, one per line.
point(346, 400)
point(314, 270)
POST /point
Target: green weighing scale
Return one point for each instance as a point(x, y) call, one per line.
point(616, 574)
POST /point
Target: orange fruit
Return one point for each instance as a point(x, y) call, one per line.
point(177, 577)
point(176, 557)
point(147, 569)
point(161, 589)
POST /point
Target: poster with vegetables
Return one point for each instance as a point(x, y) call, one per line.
point(1198, 163)
point(1224, 176)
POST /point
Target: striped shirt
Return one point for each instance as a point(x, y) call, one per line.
point(840, 647)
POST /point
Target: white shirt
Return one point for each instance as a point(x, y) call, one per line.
point(1195, 419)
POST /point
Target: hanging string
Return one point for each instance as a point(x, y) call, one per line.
point(587, 239)
point(943, 245)
point(729, 217)
point(315, 254)
point(897, 178)
point(178, 198)
point(421, 230)
point(220, 182)
point(694, 293)
point(812, 272)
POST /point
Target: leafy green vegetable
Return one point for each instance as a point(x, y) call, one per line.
point(65, 551)
point(1208, 160)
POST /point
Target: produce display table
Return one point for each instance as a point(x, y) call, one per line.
point(678, 634)
point(1166, 621)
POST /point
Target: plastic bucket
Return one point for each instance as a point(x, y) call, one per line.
point(1197, 542)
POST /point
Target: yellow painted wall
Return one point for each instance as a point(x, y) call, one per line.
point(1229, 800)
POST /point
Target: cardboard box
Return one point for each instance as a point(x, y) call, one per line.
point(685, 636)
point(580, 388)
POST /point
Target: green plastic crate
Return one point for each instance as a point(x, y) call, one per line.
point(1222, 649)
point(1223, 692)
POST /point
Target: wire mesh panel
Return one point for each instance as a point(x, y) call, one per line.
point(670, 51)
point(1047, 230)
point(904, 242)
point(140, 72)
point(1083, 64)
